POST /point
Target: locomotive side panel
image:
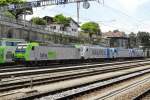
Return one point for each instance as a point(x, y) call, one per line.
point(123, 53)
point(94, 52)
point(54, 53)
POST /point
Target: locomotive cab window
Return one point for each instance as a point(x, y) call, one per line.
point(21, 47)
point(16, 43)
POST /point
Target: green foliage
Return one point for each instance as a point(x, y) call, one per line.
point(132, 40)
point(61, 19)
point(115, 31)
point(38, 21)
point(8, 14)
point(5, 2)
point(18, 11)
point(91, 28)
point(144, 38)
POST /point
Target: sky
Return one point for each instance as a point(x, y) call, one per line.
point(125, 15)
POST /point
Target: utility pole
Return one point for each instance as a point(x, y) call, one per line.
point(86, 5)
point(24, 17)
point(78, 11)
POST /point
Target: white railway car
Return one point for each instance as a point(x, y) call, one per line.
point(113, 53)
point(93, 52)
point(129, 53)
point(136, 53)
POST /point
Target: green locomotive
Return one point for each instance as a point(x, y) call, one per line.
point(7, 49)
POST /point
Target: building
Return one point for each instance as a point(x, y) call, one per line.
point(71, 29)
point(116, 39)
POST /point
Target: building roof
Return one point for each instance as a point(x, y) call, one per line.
point(113, 34)
point(75, 22)
point(50, 20)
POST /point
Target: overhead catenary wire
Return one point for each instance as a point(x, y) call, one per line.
point(136, 21)
point(105, 23)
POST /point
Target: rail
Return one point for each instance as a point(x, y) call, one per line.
point(68, 75)
point(77, 90)
point(140, 96)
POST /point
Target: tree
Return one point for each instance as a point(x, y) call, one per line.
point(17, 12)
point(61, 19)
point(38, 21)
point(132, 40)
point(91, 28)
point(144, 39)
point(115, 31)
point(8, 14)
point(5, 2)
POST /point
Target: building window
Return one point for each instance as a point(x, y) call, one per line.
point(62, 28)
point(74, 30)
point(54, 27)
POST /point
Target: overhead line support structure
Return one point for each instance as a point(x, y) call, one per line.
point(39, 3)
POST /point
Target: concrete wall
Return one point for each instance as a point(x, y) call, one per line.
point(11, 28)
point(31, 34)
point(23, 33)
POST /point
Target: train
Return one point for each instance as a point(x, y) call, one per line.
point(7, 49)
point(34, 53)
point(18, 50)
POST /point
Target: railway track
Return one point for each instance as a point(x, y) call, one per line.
point(14, 68)
point(144, 95)
point(23, 68)
point(124, 89)
point(52, 70)
point(61, 75)
point(69, 92)
point(47, 69)
point(45, 78)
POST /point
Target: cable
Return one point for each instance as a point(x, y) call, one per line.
point(88, 19)
point(135, 19)
point(102, 21)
